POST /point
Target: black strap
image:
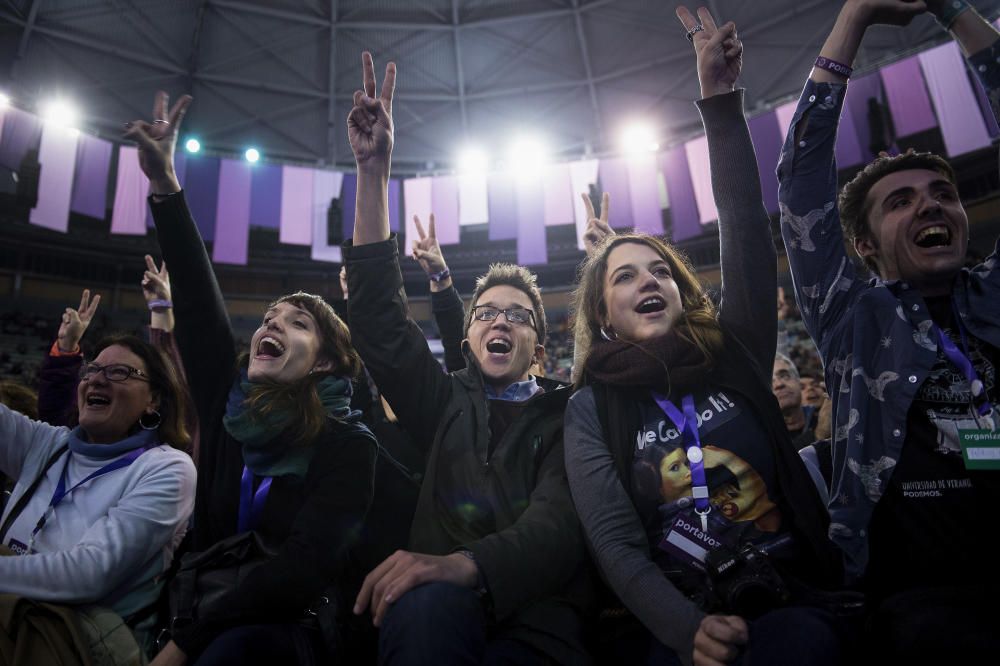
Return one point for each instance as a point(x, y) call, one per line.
point(23, 500)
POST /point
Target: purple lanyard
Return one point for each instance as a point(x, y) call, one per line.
point(251, 503)
point(961, 361)
point(687, 424)
point(61, 491)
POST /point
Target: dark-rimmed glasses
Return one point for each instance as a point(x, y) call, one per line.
point(116, 372)
point(513, 315)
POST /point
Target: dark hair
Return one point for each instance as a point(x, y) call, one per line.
point(19, 397)
point(164, 383)
point(300, 397)
point(521, 279)
point(853, 200)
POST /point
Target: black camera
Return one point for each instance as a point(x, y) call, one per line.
point(744, 582)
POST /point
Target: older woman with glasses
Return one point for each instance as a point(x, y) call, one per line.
point(98, 510)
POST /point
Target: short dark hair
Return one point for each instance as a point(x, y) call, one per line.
point(521, 279)
point(853, 200)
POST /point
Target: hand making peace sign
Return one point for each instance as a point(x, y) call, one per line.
point(427, 251)
point(156, 141)
point(719, 51)
point(597, 227)
point(369, 125)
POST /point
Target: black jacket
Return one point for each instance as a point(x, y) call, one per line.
point(511, 507)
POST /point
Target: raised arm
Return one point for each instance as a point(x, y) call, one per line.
point(749, 262)
point(57, 378)
point(446, 304)
point(370, 131)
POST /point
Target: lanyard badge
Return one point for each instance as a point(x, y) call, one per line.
point(686, 422)
point(981, 407)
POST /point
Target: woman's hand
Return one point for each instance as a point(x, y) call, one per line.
point(75, 322)
point(719, 51)
point(369, 125)
point(170, 655)
point(156, 141)
point(427, 251)
point(719, 640)
point(155, 282)
point(597, 226)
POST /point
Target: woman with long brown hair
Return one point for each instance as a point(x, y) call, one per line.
point(699, 512)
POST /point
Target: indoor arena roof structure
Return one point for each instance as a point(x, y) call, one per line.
point(279, 74)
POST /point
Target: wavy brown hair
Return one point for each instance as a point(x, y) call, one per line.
point(301, 398)
point(698, 325)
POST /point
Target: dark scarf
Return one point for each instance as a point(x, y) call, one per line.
point(264, 451)
point(666, 363)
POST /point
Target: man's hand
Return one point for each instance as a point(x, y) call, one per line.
point(597, 226)
point(75, 322)
point(156, 141)
point(719, 640)
point(427, 251)
point(403, 571)
point(784, 309)
point(719, 51)
point(369, 125)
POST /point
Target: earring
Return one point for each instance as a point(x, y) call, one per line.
point(612, 337)
point(150, 421)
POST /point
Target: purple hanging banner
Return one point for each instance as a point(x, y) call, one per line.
point(348, 200)
point(232, 213)
point(685, 222)
point(326, 188)
point(128, 215)
point(558, 189)
point(503, 207)
point(847, 150)
point(531, 246)
point(265, 196)
point(90, 180)
point(784, 113)
point(418, 199)
point(696, 151)
point(906, 95)
point(296, 205)
point(984, 107)
point(203, 193)
point(767, 139)
point(582, 175)
point(473, 202)
point(22, 132)
point(962, 126)
point(57, 156)
point(644, 193)
point(444, 204)
point(859, 93)
point(394, 192)
point(613, 174)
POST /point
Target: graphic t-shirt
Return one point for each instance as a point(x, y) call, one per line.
point(739, 472)
point(933, 525)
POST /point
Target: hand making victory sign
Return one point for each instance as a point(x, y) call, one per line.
point(369, 125)
point(156, 141)
point(597, 226)
point(719, 51)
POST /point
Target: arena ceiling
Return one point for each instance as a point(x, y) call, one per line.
point(279, 74)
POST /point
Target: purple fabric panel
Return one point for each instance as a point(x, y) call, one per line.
point(907, 98)
point(767, 139)
point(531, 247)
point(326, 187)
point(296, 205)
point(962, 126)
point(644, 193)
point(90, 182)
point(444, 203)
point(503, 207)
point(417, 200)
point(22, 132)
point(848, 150)
point(701, 178)
point(984, 107)
point(203, 193)
point(57, 155)
point(128, 213)
point(265, 196)
point(582, 175)
point(784, 114)
point(859, 92)
point(558, 187)
point(680, 194)
point(613, 174)
point(394, 195)
point(348, 198)
point(232, 213)
point(180, 169)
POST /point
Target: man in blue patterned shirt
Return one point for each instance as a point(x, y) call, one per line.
point(910, 354)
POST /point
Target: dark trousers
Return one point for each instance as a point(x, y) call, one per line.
point(266, 645)
point(441, 623)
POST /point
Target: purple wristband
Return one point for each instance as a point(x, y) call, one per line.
point(834, 66)
point(437, 277)
point(160, 305)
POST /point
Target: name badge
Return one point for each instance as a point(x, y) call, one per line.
point(980, 448)
point(17, 547)
point(687, 542)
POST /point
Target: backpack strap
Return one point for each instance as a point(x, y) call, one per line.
point(23, 500)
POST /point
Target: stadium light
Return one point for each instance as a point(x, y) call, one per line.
point(639, 138)
point(252, 155)
point(60, 113)
point(472, 160)
point(528, 154)
point(192, 145)
point(4, 101)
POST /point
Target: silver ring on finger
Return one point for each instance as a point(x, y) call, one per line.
point(691, 33)
point(161, 122)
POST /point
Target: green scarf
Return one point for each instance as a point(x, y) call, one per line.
point(265, 452)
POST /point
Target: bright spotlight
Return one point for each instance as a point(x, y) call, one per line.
point(639, 138)
point(528, 154)
point(252, 155)
point(4, 101)
point(60, 113)
point(472, 160)
point(193, 146)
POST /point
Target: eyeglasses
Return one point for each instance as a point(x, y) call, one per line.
point(116, 372)
point(513, 315)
